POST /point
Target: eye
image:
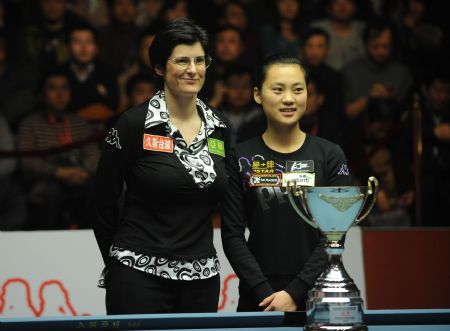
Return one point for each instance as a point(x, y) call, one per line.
point(200, 60)
point(182, 61)
point(298, 90)
point(277, 90)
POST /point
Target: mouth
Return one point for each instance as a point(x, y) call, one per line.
point(288, 110)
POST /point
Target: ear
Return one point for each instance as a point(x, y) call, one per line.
point(257, 95)
point(159, 71)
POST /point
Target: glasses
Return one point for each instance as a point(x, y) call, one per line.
point(199, 61)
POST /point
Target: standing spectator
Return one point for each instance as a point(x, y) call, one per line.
point(345, 31)
point(13, 206)
point(316, 45)
point(284, 34)
point(118, 40)
point(94, 87)
point(44, 43)
point(58, 180)
point(17, 84)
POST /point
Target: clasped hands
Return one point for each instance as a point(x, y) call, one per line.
point(279, 301)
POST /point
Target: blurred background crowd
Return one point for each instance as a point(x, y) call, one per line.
point(378, 85)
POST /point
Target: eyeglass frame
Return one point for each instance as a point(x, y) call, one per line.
point(206, 56)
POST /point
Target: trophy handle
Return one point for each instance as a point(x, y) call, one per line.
point(292, 185)
point(372, 183)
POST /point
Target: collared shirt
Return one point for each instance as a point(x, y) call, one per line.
point(198, 163)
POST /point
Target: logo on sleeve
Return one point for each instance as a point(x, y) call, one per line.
point(113, 138)
point(216, 146)
point(158, 143)
point(300, 166)
point(344, 170)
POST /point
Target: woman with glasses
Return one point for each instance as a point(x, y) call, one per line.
point(169, 152)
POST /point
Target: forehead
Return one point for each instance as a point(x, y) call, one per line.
point(188, 50)
point(286, 74)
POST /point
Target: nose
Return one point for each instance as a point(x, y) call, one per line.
point(191, 67)
point(287, 98)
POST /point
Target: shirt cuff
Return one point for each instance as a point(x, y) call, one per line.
point(298, 290)
point(262, 291)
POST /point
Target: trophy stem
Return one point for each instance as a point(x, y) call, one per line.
point(334, 302)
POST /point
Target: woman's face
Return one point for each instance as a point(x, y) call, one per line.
point(288, 9)
point(283, 94)
point(184, 74)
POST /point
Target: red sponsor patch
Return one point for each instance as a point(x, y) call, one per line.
point(158, 143)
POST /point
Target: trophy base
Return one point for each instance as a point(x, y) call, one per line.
point(336, 328)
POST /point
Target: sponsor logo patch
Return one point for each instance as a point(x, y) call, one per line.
point(265, 180)
point(302, 178)
point(263, 167)
point(158, 143)
point(344, 170)
point(113, 138)
point(300, 166)
point(216, 146)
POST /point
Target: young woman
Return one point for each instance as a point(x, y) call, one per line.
point(169, 152)
point(283, 255)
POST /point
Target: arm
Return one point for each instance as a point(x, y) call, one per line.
point(233, 238)
point(116, 158)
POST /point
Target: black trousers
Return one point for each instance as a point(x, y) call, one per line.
point(131, 291)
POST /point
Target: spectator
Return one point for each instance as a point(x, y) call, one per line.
point(436, 149)
point(284, 34)
point(58, 182)
point(384, 152)
point(13, 206)
point(17, 84)
point(317, 120)
point(118, 40)
point(148, 12)
point(140, 65)
point(239, 106)
point(45, 42)
point(314, 53)
point(377, 74)
point(94, 87)
point(345, 31)
point(140, 88)
point(171, 10)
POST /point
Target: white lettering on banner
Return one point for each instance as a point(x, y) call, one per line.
point(69, 287)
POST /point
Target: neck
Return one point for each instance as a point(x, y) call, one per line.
point(342, 27)
point(282, 139)
point(181, 108)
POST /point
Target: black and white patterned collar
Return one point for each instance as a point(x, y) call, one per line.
point(157, 113)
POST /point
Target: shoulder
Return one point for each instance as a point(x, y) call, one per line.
point(136, 115)
point(250, 145)
point(324, 145)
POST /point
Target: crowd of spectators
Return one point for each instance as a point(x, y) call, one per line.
point(378, 85)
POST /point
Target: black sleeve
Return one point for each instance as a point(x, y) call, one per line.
point(115, 160)
point(303, 281)
point(233, 234)
point(337, 170)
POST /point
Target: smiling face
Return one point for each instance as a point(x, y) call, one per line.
point(182, 80)
point(283, 94)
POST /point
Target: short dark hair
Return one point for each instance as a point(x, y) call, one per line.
point(312, 32)
point(47, 75)
point(182, 31)
point(238, 70)
point(375, 28)
point(228, 27)
point(139, 78)
point(278, 58)
point(82, 26)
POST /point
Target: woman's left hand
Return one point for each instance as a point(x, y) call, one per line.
point(279, 301)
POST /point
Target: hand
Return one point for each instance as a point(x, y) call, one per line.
point(383, 201)
point(406, 199)
point(72, 175)
point(279, 301)
point(379, 90)
point(219, 92)
point(442, 132)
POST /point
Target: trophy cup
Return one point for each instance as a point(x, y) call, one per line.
point(334, 303)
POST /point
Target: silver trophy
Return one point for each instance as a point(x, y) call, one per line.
point(334, 303)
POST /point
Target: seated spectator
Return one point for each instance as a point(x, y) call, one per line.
point(118, 40)
point(13, 206)
point(239, 106)
point(384, 152)
point(94, 87)
point(44, 43)
point(317, 120)
point(314, 53)
point(284, 34)
point(140, 65)
point(377, 74)
point(140, 88)
point(345, 31)
point(58, 174)
point(17, 84)
point(435, 161)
